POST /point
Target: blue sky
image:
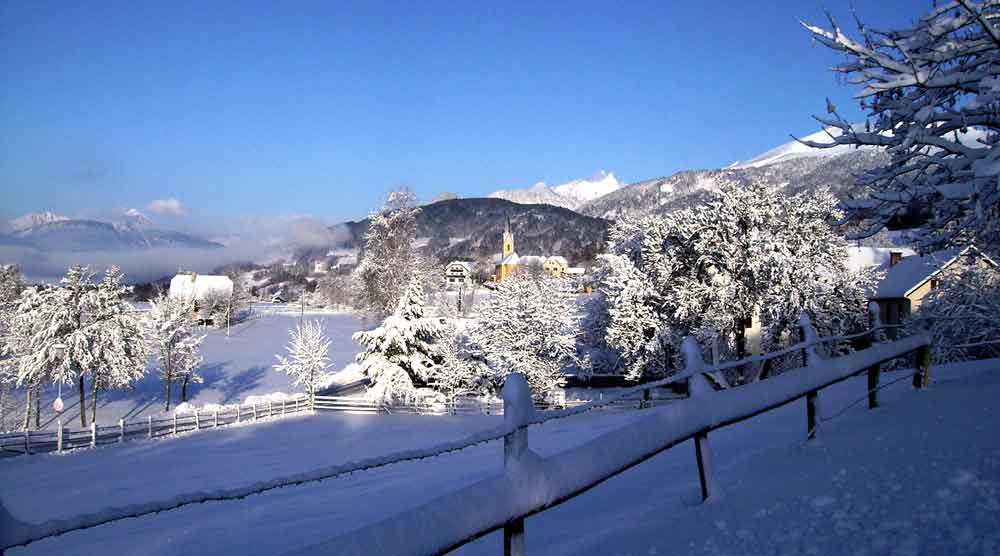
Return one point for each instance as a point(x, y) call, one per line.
point(264, 109)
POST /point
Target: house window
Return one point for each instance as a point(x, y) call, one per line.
point(935, 283)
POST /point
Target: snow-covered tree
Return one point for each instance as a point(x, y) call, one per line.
point(932, 93)
point(171, 340)
point(307, 359)
point(463, 368)
point(10, 291)
point(400, 355)
point(389, 260)
point(118, 353)
point(749, 252)
point(529, 325)
point(963, 312)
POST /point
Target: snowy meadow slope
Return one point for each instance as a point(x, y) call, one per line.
point(233, 367)
point(919, 475)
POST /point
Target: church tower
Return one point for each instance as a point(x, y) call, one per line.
point(508, 240)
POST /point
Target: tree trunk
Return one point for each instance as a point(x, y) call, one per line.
point(184, 389)
point(38, 407)
point(168, 379)
point(93, 401)
point(83, 404)
point(27, 410)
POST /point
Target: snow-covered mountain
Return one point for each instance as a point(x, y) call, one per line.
point(50, 232)
point(33, 219)
point(794, 149)
point(571, 195)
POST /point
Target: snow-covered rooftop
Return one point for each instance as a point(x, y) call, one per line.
point(199, 286)
point(902, 278)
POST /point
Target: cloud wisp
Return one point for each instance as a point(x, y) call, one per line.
point(169, 206)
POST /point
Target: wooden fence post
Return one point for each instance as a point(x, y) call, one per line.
point(517, 408)
point(237, 412)
point(284, 403)
point(698, 385)
point(873, 379)
point(121, 430)
point(922, 372)
point(93, 434)
point(197, 420)
point(59, 436)
point(270, 409)
point(875, 328)
point(149, 433)
point(216, 419)
point(175, 423)
point(811, 399)
point(647, 397)
point(255, 410)
point(27, 442)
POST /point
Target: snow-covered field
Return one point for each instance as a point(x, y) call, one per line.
point(234, 367)
point(920, 475)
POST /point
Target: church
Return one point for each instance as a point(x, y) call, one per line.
point(509, 262)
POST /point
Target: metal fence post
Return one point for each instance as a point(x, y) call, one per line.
point(516, 408)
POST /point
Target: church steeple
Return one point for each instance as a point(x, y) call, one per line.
point(508, 240)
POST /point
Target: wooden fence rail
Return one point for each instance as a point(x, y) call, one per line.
point(531, 484)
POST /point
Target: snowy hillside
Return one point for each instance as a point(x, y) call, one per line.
point(569, 195)
point(795, 149)
point(33, 219)
point(134, 231)
point(920, 475)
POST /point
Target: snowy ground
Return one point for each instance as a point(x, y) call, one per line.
point(234, 367)
point(920, 475)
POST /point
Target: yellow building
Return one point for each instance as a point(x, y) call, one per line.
point(508, 261)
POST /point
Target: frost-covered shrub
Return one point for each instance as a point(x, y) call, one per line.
point(962, 313)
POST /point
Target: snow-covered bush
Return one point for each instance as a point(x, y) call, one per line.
point(400, 356)
point(932, 92)
point(463, 369)
point(749, 252)
point(308, 357)
point(529, 325)
point(962, 313)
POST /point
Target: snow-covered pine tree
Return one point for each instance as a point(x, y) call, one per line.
point(529, 325)
point(932, 96)
point(171, 340)
point(750, 251)
point(118, 352)
point(388, 261)
point(308, 358)
point(400, 355)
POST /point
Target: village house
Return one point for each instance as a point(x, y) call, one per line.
point(508, 261)
point(321, 266)
point(908, 280)
point(458, 274)
point(200, 288)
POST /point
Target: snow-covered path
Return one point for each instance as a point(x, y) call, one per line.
point(920, 475)
point(233, 368)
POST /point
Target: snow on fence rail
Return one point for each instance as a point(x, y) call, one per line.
point(531, 484)
point(63, 438)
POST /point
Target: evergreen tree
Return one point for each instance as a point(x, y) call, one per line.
point(400, 355)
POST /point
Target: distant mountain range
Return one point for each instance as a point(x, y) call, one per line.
point(48, 231)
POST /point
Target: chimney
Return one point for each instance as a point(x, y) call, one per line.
point(895, 257)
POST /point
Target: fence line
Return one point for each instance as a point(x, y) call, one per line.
point(63, 438)
point(531, 484)
point(20, 534)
